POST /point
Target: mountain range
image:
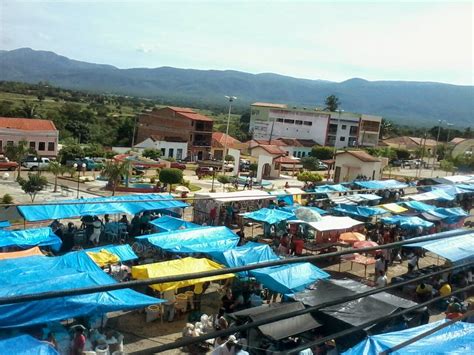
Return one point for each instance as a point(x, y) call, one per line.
point(406, 102)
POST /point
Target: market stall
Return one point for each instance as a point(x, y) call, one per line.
point(169, 223)
point(27, 238)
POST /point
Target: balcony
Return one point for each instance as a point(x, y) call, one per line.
point(201, 127)
point(201, 143)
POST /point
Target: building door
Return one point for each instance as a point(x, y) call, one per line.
point(170, 152)
point(199, 155)
point(266, 171)
point(179, 154)
point(337, 174)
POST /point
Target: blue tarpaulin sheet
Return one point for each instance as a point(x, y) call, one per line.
point(288, 279)
point(359, 211)
point(197, 240)
point(406, 222)
point(37, 274)
point(124, 251)
point(249, 253)
point(381, 184)
point(449, 215)
point(129, 204)
point(291, 209)
point(419, 206)
point(168, 223)
point(330, 188)
point(269, 215)
point(456, 249)
point(27, 238)
point(457, 338)
point(5, 224)
point(26, 345)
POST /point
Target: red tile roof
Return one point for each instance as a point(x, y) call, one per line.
point(27, 124)
point(293, 142)
point(286, 160)
point(219, 140)
point(271, 149)
point(277, 142)
point(361, 155)
point(188, 113)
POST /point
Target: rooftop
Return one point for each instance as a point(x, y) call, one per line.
point(361, 155)
point(270, 149)
point(190, 114)
point(27, 124)
point(219, 140)
point(267, 104)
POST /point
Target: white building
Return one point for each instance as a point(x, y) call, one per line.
point(169, 149)
point(298, 148)
point(353, 163)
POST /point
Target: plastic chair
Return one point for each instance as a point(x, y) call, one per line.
point(190, 296)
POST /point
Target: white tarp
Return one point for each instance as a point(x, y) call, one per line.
point(329, 223)
point(237, 196)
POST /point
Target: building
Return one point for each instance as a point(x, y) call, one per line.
point(172, 148)
point(170, 123)
point(220, 141)
point(410, 143)
point(41, 135)
point(353, 163)
point(298, 148)
point(339, 129)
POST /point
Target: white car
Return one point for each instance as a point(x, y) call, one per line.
point(34, 163)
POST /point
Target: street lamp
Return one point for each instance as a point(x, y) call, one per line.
point(81, 167)
point(437, 139)
point(231, 99)
point(213, 176)
point(449, 131)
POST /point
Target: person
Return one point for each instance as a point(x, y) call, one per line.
point(297, 245)
point(241, 235)
point(287, 185)
point(124, 220)
point(382, 279)
point(229, 214)
point(226, 348)
point(255, 299)
point(170, 297)
point(413, 262)
point(283, 247)
point(423, 292)
point(379, 265)
point(453, 311)
point(212, 216)
point(247, 183)
point(239, 348)
point(135, 226)
point(55, 225)
point(144, 219)
point(95, 236)
point(79, 341)
point(106, 218)
point(228, 301)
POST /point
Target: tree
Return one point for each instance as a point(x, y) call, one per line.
point(151, 153)
point(17, 153)
point(28, 110)
point(253, 167)
point(446, 165)
point(307, 176)
point(402, 154)
point(332, 103)
point(56, 169)
point(70, 152)
point(114, 172)
point(322, 153)
point(34, 184)
point(171, 176)
point(94, 150)
point(229, 157)
point(310, 163)
point(386, 128)
point(224, 180)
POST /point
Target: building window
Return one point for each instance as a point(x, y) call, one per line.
point(33, 145)
point(298, 154)
point(1, 145)
point(163, 152)
point(50, 146)
point(342, 139)
point(332, 129)
point(303, 154)
point(298, 122)
point(9, 143)
point(343, 126)
point(289, 121)
point(179, 154)
point(294, 154)
point(371, 126)
point(280, 120)
point(353, 131)
point(170, 153)
point(42, 146)
point(308, 123)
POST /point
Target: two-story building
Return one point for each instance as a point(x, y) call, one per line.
point(177, 123)
point(41, 135)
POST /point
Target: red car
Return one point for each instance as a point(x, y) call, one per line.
point(176, 165)
point(6, 164)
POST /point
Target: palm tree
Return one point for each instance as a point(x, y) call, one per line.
point(114, 171)
point(56, 169)
point(17, 153)
point(28, 109)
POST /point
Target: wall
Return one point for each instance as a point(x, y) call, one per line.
point(369, 131)
point(236, 154)
point(344, 121)
point(262, 160)
point(351, 167)
point(16, 135)
point(165, 147)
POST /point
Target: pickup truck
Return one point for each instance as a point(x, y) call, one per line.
point(34, 163)
point(6, 164)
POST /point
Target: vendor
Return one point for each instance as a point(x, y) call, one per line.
point(79, 341)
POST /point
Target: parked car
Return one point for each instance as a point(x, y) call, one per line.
point(244, 166)
point(203, 171)
point(396, 163)
point(6, 164)
point(34, 163)
point(89, 164)
point(322, 166)
point(177, 165)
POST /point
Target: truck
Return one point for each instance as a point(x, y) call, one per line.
point(35, 163)
point(6, 164)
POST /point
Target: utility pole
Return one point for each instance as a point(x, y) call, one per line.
point(224, 153)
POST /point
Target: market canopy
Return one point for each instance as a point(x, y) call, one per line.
point(330, 188)
point(448, 215)
point(124, 252)
point(5, 224)
point(169, 223)
point(129, 204)
point(456, 338)
point(354, 199)
point(26, 345)
point(27, 238)
point(269, 215)
point(381, 184)
point(291, 209)
point(196, 240)
point(329, 223)
point(457, 249)
point(359, 211)
point(438, 195)
point(38, 274)
point(406, 222)
point(393, 207)
point(419, 206)
point(178, 267)
point(290, 278)
point(21, 253)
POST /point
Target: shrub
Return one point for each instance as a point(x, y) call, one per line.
point(322, 153)
point(171, 176)
point(229, 157)
point(7, 199)
point(307, 176)
point(151, 153)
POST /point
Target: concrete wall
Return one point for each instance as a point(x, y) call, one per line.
point(33, 137)
point(169, 149)
point(351, 167)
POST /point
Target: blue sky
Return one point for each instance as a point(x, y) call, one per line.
point(423, 41)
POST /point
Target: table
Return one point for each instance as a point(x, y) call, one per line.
point(357, 259)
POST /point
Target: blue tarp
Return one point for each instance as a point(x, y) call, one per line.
point(249, 253)
point(291, 209)
point(369, 197)
point(288, 279)
point(5, 224)
point(269, 215)
point(419, 206)
point(124, 251)
point(456, 249)
point(457, 338)
point(100, 206)
point(37, 274)
point(381, 184)
point(197, 240)
point(26, 345)
point(451, 189)
point(27, 238)
point(168, 223)
point(449, 215)
point(406, 222)
point(359, 211)
point(322, 189)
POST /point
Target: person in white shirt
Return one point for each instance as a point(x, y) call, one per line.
point(170, 297)
point(382, 279)
point(379, 265)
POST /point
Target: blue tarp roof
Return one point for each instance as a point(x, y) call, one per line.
point(26, 345)
point(369, 197)
point(330, 188)
point(197, 240)
point(27, 238)
point(359, 211)
point(269, 215)
point(37, 274)
point(100, 206)
point(287, 279)
point(451, 189)
point(456, 249)
point(291, 209)
point(406, 222)
point(419, 206)
point(168, 223)
point(381, 184)
point(5, 224)
point(124, 251)
point(449, 215)
point(457, 338)
point(249, 253)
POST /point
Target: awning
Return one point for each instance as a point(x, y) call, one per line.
point(406, 222)
point(27, 238)
point(381, 184)
point(394, 207)
point(456, 338)
point(329, 223)
point(237, 196)
point(103, 257)
point(448, 215)
point(323, 189)
point(359, 211)
point(124, 251)
point(419, 206)
point(269, 215)
point(21, 254)
point(168, 223)
point(38, 274)
point(197, 240)
point(26, 345)
point(438, 195)
point(5, 224)
point(178, 267)
point(129, 204)
point(291, 209)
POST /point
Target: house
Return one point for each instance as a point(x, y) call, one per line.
point(298, 148)
point(220, 141)
point(180, 123)
point(170, 147)
point(272, 159)
point(456, 140)
point(41, 135)
point(350, 164)
point(410, 143)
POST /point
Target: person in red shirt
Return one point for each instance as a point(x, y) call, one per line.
point(212, 216)
point(79, 342)
point(297, 245)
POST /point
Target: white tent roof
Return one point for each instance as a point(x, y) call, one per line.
point(328, 223)
point(237, 195)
